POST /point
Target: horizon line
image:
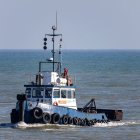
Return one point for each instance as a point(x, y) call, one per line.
point(70, 49)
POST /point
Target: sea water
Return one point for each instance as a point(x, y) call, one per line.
point(112, 77)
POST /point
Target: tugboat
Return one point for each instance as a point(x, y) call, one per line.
point(50, 98)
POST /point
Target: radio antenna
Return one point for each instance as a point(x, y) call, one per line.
point(56, 20)
point(53, 35)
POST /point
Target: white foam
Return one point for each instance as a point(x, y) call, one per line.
point(57, 126)
point(39, 125)
point(115, 124)
point(110, 124)
point(21, 125)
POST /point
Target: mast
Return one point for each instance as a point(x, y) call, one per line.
point(53, 28)
point(53, 35)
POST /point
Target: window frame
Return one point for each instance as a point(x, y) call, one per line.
point(55, 89)
point(34, 90)
point(27, 93)
point(46, 89)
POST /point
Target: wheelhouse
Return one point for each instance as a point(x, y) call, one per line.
point(58, 96)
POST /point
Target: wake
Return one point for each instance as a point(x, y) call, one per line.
point(116, 124)
point(23, 125)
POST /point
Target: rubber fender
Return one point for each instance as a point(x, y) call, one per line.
point(104, 121)
point(88, 122)
point(95, 121)
point(98, 121)
point(83, 122)
point(37, 113)
point(55, 118)
point(75, 121)
point(91, 122)
point(79, 121)
point(70, 120)
point(65, 119)
point(46, 118)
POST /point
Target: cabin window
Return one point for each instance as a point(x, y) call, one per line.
point(69, 94)
point(73, 93)
point(28, 92)
point(37, 93)
point(56, 93)
point(48, 93)
point(63, 93)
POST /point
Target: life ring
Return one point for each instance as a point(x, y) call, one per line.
point(55, 103)
point(55, 118)
point(37, 113)
point(46, 118)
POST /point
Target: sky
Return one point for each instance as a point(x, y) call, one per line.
point(85, 24)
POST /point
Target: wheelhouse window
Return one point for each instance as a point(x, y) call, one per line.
point(69, 94)
point(28, 92)
point(37, 93)
point(56, 93)
point(73, 93)
point(48, 93)
point(63, 93)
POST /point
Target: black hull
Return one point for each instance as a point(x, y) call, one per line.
point(112, 115)
point(30, 119)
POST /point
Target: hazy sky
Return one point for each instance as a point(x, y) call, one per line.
point(85, 24)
